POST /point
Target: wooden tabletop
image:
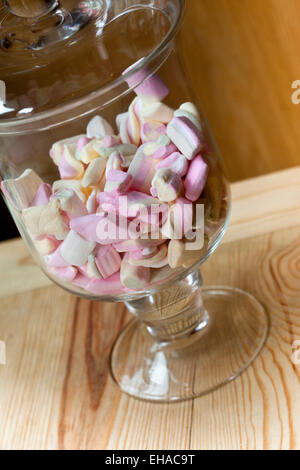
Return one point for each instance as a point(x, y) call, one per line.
point(56, 391)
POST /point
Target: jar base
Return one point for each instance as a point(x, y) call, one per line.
point(231, 335)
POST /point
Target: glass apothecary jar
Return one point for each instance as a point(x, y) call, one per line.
point(110, 173)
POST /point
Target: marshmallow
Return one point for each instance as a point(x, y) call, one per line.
point(69, 166)
point(82, 142)
point(196, 178)
point(46, 220)
point(133, 124)
point(94, 172)
point(187, 138)
point(156, 112)
point(67, 273)
point(43, 195)
point(168, 184)
point(164, 148)
point(142, 170)
point(121, 121)
point(111, 285)
point(20, 192)
point(101, 228)
point(91, 203)
point(75, 249)
point(57, 149)
point(88, 152)
point(134, 277)
point(91, 268)
point(179, 219)
point(152, 130)
point(75, 185)
point(98, 128)
point(118, 181)
point(152, 258)
point(45, 246)
point(139, 244)
point(55, 260)
point(81, 281)
point(191, 109)
point(175, 162)
point(70, 203)
point(107, 261)
point(175, 253)
point(149, 88)
point(116, 161)
point(124, 149)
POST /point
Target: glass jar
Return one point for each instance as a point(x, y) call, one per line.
point(111, 175)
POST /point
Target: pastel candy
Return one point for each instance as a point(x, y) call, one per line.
point(82, 142)
point(98, 128)
point(148, 87)
point(110, 141)
point(70, 203)
point(43, 195)
point(179, 220)
point(94, 172)
point(133, 124)
point(88, 152)
point(57, 149)
point(152, 130)
point(75, 249)
point(91, 268)
point(81, 281)
point(55, 260)
point(176, 162)
point(118, 181)
point(156, 112)
point(124, 149)
point(67, 273)
point(107, 260)
point(111, 285)
point(116, 161)
point(101, 228)
point(46, 220)
point(21, 191)
point(91, 203)
point(191, 109)
point(69, 166)
point(139, 244)
point(187, 138)
point(134, 277)
point(152, 258)
point(164, 148)
point(168, 184)
point(196, 178)
point(175, 253)
point(142, 170)
point(45, 246)
point(74, 185)
point(121, 121)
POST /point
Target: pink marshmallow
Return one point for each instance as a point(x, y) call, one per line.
point(67, 274)
point(151, 131)
point(81, 281)
point(196, 178)
point(82, 142)
point(43, 195)
point(110, 141)
point(66, 170)
point(187, 138)
point(111, 285)
point(149, 88)
point(142, 170)
point(55, 260)
point(176, 162)
point(118, 181)
point(107, 260)
point(166, 148)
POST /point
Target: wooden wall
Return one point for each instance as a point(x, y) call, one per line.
point(242, 57)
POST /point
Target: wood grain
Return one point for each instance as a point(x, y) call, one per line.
point(241, 57)
point(56, 391)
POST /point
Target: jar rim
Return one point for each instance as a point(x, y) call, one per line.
point(18, 126)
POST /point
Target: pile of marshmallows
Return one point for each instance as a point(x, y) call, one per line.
point(154, 159)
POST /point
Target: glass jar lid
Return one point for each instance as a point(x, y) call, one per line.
point(60, 52)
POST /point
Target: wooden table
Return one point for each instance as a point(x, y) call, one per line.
point(56, 391)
